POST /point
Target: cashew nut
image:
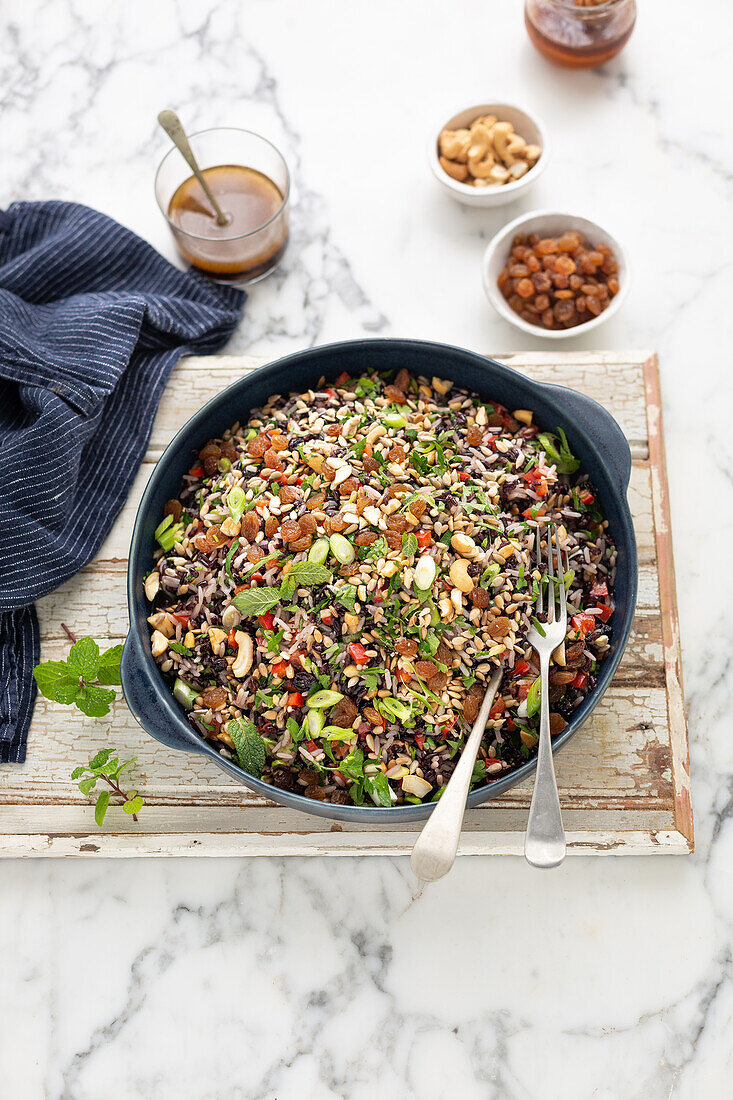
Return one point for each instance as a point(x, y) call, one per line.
point(341, 474)
point(463, 544)
point(413, 784)
point(230, 527)
point(230, 617)
point(454, 170)
point(245, 653)
point(459, 575)
point(152, 584)
point(351, 622)
point(216, 637)
point(453, 144)
point(158, 643)
point(523, 415)
point(446, 609)
point(162, 623)
point(442, 385)
point(456, 598)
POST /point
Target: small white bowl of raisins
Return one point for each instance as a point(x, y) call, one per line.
point(554, 274)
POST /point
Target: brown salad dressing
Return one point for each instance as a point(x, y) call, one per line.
point(254, 238)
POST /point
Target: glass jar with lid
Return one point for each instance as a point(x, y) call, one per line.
point(579, 34)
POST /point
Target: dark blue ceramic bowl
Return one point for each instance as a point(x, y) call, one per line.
point(594, 436)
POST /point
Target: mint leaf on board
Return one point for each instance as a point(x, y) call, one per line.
point(83, 659)
point(54, 679)
point(100, 807)
point(94, 701)
point(109, 666)
point(249, 746)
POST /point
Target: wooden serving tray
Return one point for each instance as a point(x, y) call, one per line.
point(624, 778)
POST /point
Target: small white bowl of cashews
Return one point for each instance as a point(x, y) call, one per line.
point(489, 155)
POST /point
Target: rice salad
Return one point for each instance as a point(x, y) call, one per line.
point(339, 578)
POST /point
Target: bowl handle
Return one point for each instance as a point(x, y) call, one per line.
point(603, 430)
point(142, 700)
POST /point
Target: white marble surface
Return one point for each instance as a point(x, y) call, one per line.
point(274, 979)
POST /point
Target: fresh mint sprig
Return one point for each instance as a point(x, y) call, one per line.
point(78, 681)
point(106, 765)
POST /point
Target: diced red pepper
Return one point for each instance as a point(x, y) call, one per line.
point(498, 708)
point(329, 391)
point(580, 680)
point(584, 623)
point(449, 725)
point(424, 538)
point(358, 654)
point(520, 667)
point(586, 496)
point(598, 589)
point(511, 724)
point(378, 596)
point(196, 471)
point(527, 513)
point(299, 481)
point(419, 740)
point(231, 637)
point(257, 577)
point(491, 442)
point(267, 621)
point(541, 488)
point(312, 746)
point(403, 676)
point(280, 669)
point(464, 475)
point(604, 613)
point(296, 699)
point(533, 475)
point(343, 378)
point(181, 618)
point(523, 691)
point(326, 617)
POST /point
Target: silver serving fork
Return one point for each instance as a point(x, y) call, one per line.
point(544, 843)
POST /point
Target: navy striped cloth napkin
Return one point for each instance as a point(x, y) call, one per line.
point(92, 321)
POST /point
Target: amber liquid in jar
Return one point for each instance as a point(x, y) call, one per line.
point(579, 36)
point(255, 236)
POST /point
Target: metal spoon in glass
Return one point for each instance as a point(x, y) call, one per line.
point(173, 127)
point(435, 849)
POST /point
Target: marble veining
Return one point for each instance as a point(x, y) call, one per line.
point(609, 979)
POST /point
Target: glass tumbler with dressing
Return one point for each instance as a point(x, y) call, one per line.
point(250, 180)
point(579, 34)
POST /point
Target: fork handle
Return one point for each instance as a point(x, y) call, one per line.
point(544, 842)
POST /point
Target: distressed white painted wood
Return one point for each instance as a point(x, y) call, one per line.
point(624, 778)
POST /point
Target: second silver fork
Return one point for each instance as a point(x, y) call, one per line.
point(544, 842)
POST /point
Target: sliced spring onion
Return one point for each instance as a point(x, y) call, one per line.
point(393, 708)
point(341, 549)
point(533, 699)
point(322, 699)
point(163, 526)
point(314, 721)
point(318, 551)
point(394, 420)
point(235, 503)
point(185, 694)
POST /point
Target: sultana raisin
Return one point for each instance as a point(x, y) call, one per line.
point(333, 523)
point(272, 460)
point(471, 708)
point(173, 508)
point(349, 486)
point(406, 647)
point(370, 464)
point(255, 553)
point(396, 454)
point(397, 522)
point(315, 501)
point(546, 246)
point(250, 526)
point(417, 507)
point(210, 450)
point(394, 540)
point(426, 670)
point(290, 530)
point(394, 393)
point(593, 306)
point(278, 442)
point(229, 450)
point(402, 381)
point(211, 465)
point(257, 446)
point(565, 265)
point(525, 288)
point(214, 697)
point(499, 627)
point(288, 494)
point(564, 311)
point(307, 524)
point(557, 724)
point(333, 430)
point(302, 544)
point(366, 538)
point(271, 525)
point(474, 435)
point(541, 303)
